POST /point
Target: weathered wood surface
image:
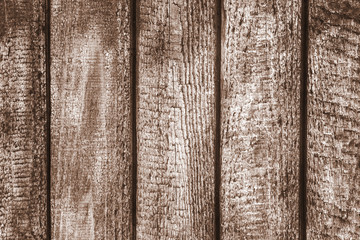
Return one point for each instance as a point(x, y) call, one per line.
point(260, 119)
point(91, 130)
point(91, 122)
point(334, 120)
point(176, 119)
point(22, 120)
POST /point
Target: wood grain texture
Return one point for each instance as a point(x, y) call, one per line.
point(22, 120)
point(91, 130)
point(176, 119)
point(334, 120)
point(260, 119)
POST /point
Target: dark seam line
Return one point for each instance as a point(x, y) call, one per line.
point(48, 119)
point(303, 118)
point(217, 164)
point(133, 89)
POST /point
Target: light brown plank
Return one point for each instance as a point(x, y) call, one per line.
point(91, 130)
point(260, 119)
point(176, 119)
point(22, 120)
point(334, 120)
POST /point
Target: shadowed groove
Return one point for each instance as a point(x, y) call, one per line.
point(303, 117)
point(48, 118)
point(133, 88)
point(217, 168)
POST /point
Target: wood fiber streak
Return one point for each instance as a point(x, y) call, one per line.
point(334, 120)
point(22, 120)
point(91, 129)
point(260, 119)
point(176, 119)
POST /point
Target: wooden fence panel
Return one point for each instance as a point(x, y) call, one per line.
point(91, 121)
point(260, 119)
point(22, 120)
point(334, 120)
point(90, 127)
point(176, 119)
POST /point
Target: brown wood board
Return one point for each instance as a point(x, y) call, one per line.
point(22, 120)
point(333, 190)
point(260, 100)
point(176, 119)
point(90, 128)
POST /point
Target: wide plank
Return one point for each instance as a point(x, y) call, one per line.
point(176, 119)
point(333, 209)
point(260, 119)
point(22, 120)
point(90, 127)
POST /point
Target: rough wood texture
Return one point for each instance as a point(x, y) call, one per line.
point(334, 120)
point(176, 118)
point(260, 119)
point(22, 120)
point(91, 130)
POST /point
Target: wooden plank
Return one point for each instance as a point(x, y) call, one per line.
point(176, 119)
point(22, 120)
point(260, 119)
point(91, 129)
point(334, 120)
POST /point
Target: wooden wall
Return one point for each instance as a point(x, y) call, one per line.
point(173, 119)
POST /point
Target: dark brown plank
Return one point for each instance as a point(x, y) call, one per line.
point(91, 130)
point(334, 120)
point(260, 119)
point(176, 119)
point(22, 120)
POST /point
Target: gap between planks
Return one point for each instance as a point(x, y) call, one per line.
point(48, 118)
point(303, 117)
point(217, 162)
point(134, 33)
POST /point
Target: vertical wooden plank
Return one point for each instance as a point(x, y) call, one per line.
point(260, 119)
point(22, 120)
point(176, 119)
point(334, 120)
point(91, 129)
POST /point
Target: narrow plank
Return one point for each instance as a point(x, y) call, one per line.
point(22, 120)
point(176, 119)
point(334, 120)
point(260, 119)
point(91, 129)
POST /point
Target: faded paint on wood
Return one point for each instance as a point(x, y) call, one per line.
point(176, 119)
point(91, 130)
point(334, 120)
point(22, 120)
point(260, 119)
